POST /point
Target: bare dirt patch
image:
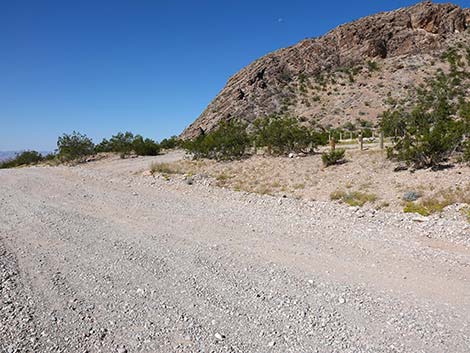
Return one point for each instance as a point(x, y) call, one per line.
point(366, 179)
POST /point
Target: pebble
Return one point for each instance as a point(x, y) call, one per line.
point(219, 336)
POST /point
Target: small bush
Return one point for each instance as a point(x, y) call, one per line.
point(466, 152)
point(411, 207)
point(466, 212)
point(372, 66)
point(74, 146)
point(164, 168)
point(24, 158)
point(333, 157)
point(440, 200)
point(170, 143)
point(411, 196)
point(353, 198)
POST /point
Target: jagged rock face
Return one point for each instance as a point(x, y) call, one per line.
point(263, 87)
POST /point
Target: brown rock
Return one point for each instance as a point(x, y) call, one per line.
point(271, 83)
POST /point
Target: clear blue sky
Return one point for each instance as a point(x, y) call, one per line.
point(151, 67)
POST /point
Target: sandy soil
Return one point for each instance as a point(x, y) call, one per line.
point(98, 258)
point(368, 172)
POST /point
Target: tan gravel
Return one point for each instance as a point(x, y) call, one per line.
point(103, 259)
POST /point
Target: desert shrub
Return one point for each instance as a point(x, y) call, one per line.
point(164, 168)
point(466, 152)
point(24, 158)
point(282, 135)
point(411, 196)
point(353, 198)
point(145, 147)
point(333, 157)
point(440, 200)
point(466, 213)
point(434, 128)
point(170, 143)
point(372, 66)
point(74, 146)
point(121, 142)
point(125, 143)
point(229, 141)
point(411, 207)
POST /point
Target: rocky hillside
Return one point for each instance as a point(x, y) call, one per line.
point(351, 73)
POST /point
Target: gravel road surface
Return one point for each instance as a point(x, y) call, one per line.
point(98, 258)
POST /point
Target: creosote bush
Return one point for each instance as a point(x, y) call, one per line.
point(436, 126)
point(126, 143)
point(229, 141)
point(232, 139)
point(74, 146)
point(282, 135)
point(24, 158)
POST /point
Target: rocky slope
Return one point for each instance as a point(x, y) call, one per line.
point(348, 74)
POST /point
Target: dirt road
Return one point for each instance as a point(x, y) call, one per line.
point(98, 258)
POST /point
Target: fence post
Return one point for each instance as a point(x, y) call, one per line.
point(361, 141)
point(332, 144)
point(381, 140)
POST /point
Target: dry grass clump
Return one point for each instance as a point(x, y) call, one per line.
point(165, 168)
point(353, 198)
point(440, 200)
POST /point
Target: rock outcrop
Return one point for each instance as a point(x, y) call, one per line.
point(330, 79)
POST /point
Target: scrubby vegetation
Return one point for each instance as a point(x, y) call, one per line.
point(25, 158)
point(436, 125)
point(74, 146)
point(230, 140)
point(281, 135)
point(126, 143)
point(440, 200)
point(353, 198)
point(333, 157)
point(278, 135)
point(170, 143)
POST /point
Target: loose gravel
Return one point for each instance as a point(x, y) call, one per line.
point(98, 258)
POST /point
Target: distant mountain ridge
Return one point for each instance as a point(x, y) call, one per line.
point(345, 75)
point(6, 155)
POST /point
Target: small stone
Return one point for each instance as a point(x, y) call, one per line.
point(271, 344)
point(121, 350)
point(342, 300)
point(219, 336)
